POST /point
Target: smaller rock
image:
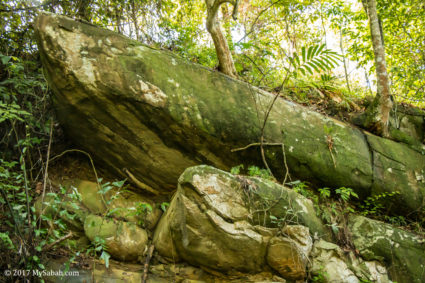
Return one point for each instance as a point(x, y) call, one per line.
point(378, 272)
point(329, 264)
point(301, 235)
point(64, 208)
point(286, 257)
point(124, 204)
point(124, 240)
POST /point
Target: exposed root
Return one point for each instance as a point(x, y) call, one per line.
point(140, 184)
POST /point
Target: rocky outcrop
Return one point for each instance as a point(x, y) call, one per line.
point(156, 115)
point(232, 226)
point(212, 222)
point(160, 273)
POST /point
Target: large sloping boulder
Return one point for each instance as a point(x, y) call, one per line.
point(155, 114)
point(211, 222)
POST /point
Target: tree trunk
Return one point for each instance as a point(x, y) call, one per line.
point(134, 18)
point(383, 104)
point(225, 59)
point(83, 10)
point(343, 58)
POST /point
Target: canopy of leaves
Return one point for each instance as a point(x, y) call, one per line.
point(267, 34)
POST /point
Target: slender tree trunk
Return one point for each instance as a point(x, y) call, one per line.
point(343, 58)
point(226, 64)
point(323, 25)
point(83, 10)
point(383, 101)
point(134, 18)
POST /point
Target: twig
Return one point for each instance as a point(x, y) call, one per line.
point(4, 195)
point(286, 165)
point(23, 167)
point(255, 64)
point(147, 261)
point(255, 144)
point(46, 171)
point(270, 144)
point(251, 30)
point(81, 151)
point(140, 184)
point(263, 157)
point(49, 246)
point(92, 164)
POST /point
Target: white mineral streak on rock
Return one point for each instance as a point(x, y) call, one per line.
point(151, 94)
point(302, 205)
point(218, 197)
point(74, 45)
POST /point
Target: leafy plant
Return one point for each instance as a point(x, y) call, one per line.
point(313, 58)
point(99, 246)
point(6, 241)
point(302, 188)
point(325, 193)
point(142, 211)
point(164, 206)
point(259, 172)
point(279, 222)
point(375, 205)
point(320, 276)
point(346, 193)
point(236, 170)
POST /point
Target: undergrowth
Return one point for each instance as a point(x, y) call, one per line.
point(334, 205)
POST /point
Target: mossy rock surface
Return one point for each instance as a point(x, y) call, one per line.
point(135, 107)
point(125, 241)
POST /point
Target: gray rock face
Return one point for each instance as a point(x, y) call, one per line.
point(404, 252)
point(144, 105)
point(331, 264)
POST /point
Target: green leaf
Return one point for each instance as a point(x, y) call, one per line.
point(297, 59)
point(316, 47)
point(310, 52)
point(308, 68)
point(311, 64)
point(118, 184)
point(318, 52)
point(164, 206)
point(303, 51)
point(322, 65)
point(5, 59)
point(105, 257)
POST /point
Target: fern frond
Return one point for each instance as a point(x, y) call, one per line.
point(315, 58)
